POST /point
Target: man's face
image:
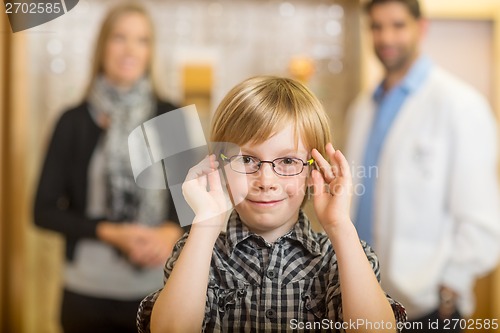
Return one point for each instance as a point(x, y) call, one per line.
point(396, 35)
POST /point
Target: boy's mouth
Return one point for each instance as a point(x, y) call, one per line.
point(265, 203)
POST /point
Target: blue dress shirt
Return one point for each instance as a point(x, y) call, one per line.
point(389, 103)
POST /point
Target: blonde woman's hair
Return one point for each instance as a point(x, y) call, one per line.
point(107, 26)
point(261, 106)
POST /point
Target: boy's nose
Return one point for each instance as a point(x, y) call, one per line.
point(267, 168)
point(266, 175)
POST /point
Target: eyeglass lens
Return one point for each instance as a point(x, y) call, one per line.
point(287, 166)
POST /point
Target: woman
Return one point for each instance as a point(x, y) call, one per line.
point(117, 235)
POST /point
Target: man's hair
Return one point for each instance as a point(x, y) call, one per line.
point(259, 107)
point(412, 5)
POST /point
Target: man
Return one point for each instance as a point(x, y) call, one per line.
point(425, 148)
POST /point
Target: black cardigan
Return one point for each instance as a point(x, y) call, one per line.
point(61, 198)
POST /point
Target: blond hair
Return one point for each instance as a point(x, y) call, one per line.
point(259, 107)
point(105, 31)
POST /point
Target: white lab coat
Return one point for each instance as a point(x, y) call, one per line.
point(436, 211)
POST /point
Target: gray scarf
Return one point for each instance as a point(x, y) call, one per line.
point(125, 111)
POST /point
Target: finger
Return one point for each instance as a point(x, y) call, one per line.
point(145, 255)
point(345, 171)
point(161, 257)
point(318, 182)
point(136, 255)
point(319, 193)
point(214, 181)
point(157, 257)
point(132, 235)
point(210, 174)
point(145, 261)
point(203, 167)
point(208, 165)
point(323, 165)
point(330, 152)
point(214, 178)
point(137, 229)
point(198, 172)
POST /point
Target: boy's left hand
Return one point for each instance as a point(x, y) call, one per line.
point(332, 188)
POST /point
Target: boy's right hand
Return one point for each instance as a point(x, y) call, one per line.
point(210, 205)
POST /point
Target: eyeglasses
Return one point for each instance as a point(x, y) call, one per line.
point(283, 166)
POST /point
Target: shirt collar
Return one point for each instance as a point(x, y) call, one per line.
point(412, 81)
point(237, 232)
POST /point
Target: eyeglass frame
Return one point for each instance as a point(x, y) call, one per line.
point(304, 164)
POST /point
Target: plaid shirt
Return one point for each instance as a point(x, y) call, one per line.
point(256, 286)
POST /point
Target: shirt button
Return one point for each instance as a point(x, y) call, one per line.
point(271, 274)
point(270, 313)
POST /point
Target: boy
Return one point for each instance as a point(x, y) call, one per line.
point(269, 271)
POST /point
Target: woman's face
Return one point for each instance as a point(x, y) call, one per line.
point(128, 50)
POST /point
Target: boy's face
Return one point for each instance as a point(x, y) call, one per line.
point(268, 203)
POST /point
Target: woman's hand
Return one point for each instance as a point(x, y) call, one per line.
point(154, 245)
point(120, 235)
point(145, 246)
point(212, 204)
point(332, 188)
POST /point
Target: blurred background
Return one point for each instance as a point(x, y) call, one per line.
point(203, 48)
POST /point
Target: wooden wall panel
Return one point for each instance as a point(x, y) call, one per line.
point(18, 196)
point(13, 194)
point(3, 268)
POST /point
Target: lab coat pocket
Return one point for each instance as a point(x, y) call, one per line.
point(423, 158)
point(421, 187)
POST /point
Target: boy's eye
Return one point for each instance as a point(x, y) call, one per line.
point(288, 161)
point(246, 159)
